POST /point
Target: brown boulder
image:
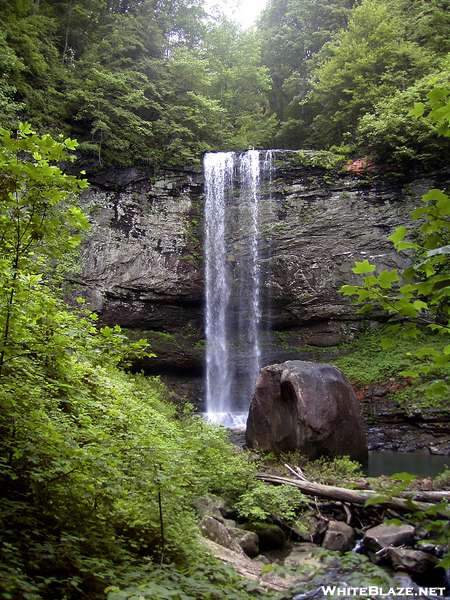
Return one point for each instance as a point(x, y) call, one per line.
point(306, 406)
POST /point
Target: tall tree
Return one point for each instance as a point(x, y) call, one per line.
point(241, 84)
point(369, 60)
point(292, 34)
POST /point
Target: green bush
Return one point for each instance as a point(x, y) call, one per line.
point(97, 469)
point(262, 500)
point(368, 362)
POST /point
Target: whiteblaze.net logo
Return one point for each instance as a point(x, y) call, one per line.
point(374, 590)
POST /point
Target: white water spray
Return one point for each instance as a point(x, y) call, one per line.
point(233, 297)
point(218, 181)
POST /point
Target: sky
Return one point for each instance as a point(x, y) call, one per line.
point(242, 11)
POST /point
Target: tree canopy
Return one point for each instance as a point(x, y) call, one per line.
point(162, 82)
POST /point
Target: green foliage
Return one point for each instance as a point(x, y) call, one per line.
point(324, 159)
point(434, 520)
point(349, 72)
point(425, 291)
point(443, 479)
point(366, 62)
point(389, 130)
point(375, 356)
point(208, 581)
point(160, 83)
point(339, 468)
point(37, 224)
point(292, 34)
point(262, 500)
point(239, 83)
point(96, 469)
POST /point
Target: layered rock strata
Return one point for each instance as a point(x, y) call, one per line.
point(142, 263)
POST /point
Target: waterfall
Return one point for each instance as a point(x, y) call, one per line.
point(218, 184)
point(232, 273)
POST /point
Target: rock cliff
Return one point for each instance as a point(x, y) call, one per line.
point(142, 263)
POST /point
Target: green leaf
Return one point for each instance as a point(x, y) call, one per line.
point(442, 360)
point(387, 343)
point(387, 278)
point(409, 374)
point(408, 274)
point(370, 281)
point(267, 568)
point(363, 267)
point(419, 305)
point(427, 352)
point(437, 94)
point(434, 195)
point(405, 477)
point(406, 246)
point(417, 111)
point(437, 388)
point(399, 235)
point(348, 290)
point(445, 562)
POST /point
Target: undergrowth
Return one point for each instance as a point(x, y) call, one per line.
point(367, 362)
point(102, 481)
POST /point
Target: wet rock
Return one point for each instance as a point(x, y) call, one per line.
point(271, 537)
point(142, 263)
point(309, 407)
point(422, 566)
point(339, 536)
point(247, 540)
point(384, 535)
point(246, 567)
point(413, 561)
point(211, 506)
point(215, 531)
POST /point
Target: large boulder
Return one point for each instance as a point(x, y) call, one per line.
point(306, 406)
point(383, 536)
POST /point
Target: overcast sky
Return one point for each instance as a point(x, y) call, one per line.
point(242, 11)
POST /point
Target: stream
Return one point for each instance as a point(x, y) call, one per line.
point(422, 464)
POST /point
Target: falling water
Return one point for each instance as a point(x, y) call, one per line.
point(249, 275)
point(233, 302)
point(218, 184)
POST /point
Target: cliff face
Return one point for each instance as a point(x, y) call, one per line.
point(143, 266)
point(140, 263)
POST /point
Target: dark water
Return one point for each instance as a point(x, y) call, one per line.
point(416, 463)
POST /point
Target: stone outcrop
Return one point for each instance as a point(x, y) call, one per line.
point(142, 263)
point(305, 406)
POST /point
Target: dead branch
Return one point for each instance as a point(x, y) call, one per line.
point(358, 497)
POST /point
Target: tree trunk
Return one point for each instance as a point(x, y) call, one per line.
point(360, 497)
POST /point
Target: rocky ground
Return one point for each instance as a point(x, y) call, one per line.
point(327, 551)
point(391, 426)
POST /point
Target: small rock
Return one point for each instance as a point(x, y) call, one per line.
point(209, 505)
point(412, 561)
point(339, 536)
point(384, 535)
point(271, 537)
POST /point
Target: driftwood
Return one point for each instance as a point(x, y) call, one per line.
point(359, 497)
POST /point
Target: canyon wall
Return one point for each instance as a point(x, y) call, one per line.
point(142, 263)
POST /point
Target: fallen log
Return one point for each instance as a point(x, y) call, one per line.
point(358, 497)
